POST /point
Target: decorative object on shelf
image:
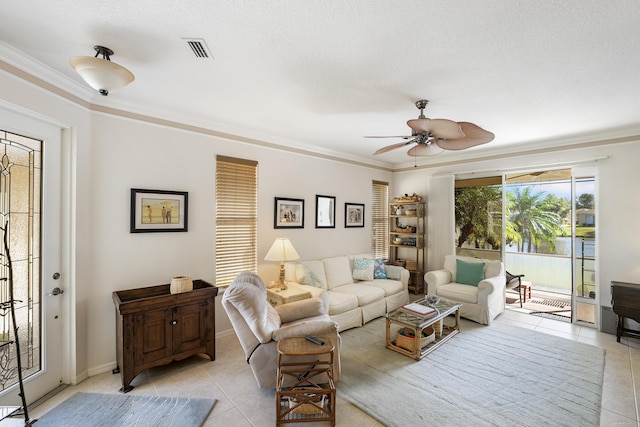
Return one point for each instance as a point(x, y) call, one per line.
point(353, 215)
point(282, 250)
point(325, 211)
point(158, 211)
point(408, 198)
point(288, 213)
point(100, 73)
point(405, 229)
point(398, 241)
point(181, 284)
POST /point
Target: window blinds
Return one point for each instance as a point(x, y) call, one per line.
point(380, 219)
point(236, 218)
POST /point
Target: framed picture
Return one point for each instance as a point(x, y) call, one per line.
point(353, 215)
point(325, 211)
point(288, 213)
point(158, 211)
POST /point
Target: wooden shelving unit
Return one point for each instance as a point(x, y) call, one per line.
point(408, 224)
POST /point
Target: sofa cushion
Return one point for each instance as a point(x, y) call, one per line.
point(365, 294)
point(379, 271)
point(469, 273)
point(457, 292)
point(341, 302)
point(389, 286)
point(338, 271)
point(363, 269)
point(493, 269)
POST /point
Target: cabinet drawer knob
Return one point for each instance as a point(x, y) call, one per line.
point(174, 322)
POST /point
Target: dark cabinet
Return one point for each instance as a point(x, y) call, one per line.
point(155, 327)
point(625, 298)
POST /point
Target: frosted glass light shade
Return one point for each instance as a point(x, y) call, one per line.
point(101, 74)
point(282, 250)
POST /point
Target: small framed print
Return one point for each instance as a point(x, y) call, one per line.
point(325, 211)
point(158, 211)
point(288, 213)
point(353, 215)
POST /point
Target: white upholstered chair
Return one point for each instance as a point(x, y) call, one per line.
point(482, 301)
point(259, 326)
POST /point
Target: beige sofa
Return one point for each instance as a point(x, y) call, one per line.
point(351, 302)
point(481, 303)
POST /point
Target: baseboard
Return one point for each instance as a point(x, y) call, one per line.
point(97, 370)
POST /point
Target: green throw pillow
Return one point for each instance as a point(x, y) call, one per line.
point(469, 273)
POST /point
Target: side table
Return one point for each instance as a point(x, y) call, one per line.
point(305, 389)
point(277, 296)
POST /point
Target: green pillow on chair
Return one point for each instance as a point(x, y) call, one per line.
point(469, 273)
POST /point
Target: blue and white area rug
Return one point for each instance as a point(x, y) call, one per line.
point(498, 375)
point(101, 410)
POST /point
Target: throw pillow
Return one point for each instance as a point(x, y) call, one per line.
point(469, 273)
point(304, 276)
point(379, 272)
point(363, 269)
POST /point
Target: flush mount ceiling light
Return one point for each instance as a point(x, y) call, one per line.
point(100, 73)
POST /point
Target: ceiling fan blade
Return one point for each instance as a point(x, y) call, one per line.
point(392, 136)
point(392, 147)
point(425, 150)
point(440, 128)
point(474, 135)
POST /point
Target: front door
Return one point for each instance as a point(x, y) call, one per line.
point(30, 203)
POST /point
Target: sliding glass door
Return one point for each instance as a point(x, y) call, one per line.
point(542, 225)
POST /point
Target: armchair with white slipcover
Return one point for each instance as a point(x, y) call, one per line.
point(259, 326)
point(478, 284)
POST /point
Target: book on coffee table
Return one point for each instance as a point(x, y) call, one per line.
point(419, 310)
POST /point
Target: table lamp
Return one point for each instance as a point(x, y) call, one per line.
point(282, 250)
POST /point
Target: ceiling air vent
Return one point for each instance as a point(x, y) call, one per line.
point(199, 48)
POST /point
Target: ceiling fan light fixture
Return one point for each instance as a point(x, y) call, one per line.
point(101, 73)
point(422, 150)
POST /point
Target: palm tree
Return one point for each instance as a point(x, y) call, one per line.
point(532, 219)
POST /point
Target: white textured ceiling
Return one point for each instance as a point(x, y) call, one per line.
point(321, 74)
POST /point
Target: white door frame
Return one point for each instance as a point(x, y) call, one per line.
point(67, 237)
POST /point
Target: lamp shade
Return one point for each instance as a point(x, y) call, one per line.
point(100, 73)
point(282, 250)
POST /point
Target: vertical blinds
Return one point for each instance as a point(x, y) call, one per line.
point(380, 219)
point(236, 218)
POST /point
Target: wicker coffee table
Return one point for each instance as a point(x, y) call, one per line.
point(442, 331)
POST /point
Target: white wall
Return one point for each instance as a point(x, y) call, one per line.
point(132, 154)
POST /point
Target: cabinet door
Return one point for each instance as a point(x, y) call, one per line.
point(152, 336)
point(190, 328)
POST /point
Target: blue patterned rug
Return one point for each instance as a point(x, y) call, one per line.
point(101, 410)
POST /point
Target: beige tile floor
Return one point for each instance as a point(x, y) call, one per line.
point(242, 403)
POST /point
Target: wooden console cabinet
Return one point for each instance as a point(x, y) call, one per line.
point(155, 327)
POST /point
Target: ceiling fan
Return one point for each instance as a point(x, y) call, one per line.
point(433, 136)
